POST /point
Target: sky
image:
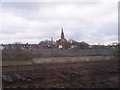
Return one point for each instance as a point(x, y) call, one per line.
point(93, 21)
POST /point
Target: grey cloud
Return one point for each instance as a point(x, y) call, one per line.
point(39, 21)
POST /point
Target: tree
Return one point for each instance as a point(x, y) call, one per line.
point(83, 45)
point(66, 45)
point(45, 43)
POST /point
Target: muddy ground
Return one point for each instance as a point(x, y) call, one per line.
point(90, 74)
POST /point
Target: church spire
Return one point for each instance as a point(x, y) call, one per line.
point(62, 34)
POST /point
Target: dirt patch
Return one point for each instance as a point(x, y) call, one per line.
point(100, 74)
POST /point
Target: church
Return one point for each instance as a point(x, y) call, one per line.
point(62, 42)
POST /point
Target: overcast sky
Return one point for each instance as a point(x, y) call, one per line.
point(30, 22)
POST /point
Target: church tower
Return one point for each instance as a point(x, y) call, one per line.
point(62, 34)
point(62, 42)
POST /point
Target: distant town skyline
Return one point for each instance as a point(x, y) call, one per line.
point(32, 22)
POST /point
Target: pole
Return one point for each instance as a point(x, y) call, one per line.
point(51, 47)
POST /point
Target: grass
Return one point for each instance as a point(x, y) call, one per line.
point(16, 62)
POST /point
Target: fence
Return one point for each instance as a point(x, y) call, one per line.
point(87, 52)
point(24, 55)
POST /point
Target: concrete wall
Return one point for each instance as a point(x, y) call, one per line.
point(70, 59)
